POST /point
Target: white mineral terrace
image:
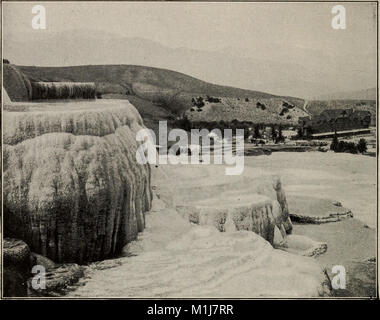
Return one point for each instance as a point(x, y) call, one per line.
point(177, 259)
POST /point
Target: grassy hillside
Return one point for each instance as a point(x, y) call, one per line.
point(269, 110)
point(168, 90)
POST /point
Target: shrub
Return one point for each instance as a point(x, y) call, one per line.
point(260, 105)
point(342, 146)
point(198, 102)
point(212, 99)
point(283, 111)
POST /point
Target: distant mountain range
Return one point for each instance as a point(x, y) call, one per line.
point(297, 72)
point(366, 94)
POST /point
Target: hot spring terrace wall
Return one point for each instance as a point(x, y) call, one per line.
point(73, 190)
point(63, 90)
point(16, 84)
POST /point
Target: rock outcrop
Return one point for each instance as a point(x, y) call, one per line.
point(73, 190)
point(58, 281)
point(17, 267)
point(257, 217)
point(316, 211)
point(260, 211)
point(63, 90)
point(16, 84)
point(301, 245)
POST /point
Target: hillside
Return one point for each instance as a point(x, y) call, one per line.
point(171, 91)
point(267, 110)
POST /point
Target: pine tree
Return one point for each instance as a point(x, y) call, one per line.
point(274, 133)
point(362, 145)
point(280, 137)
point(299, 132)
point(256, 132)
point(334, 144)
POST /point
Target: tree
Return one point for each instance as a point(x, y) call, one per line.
point(309, 132)
point(299, 132)
point(362, 145)
point(341, 147)
point(352, 147)
point(256, 132)
point(246, 133)
point(274, 133)
point(185, 123)
point(334, 142)
point(280, 137)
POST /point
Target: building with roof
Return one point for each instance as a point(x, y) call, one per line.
point(335, 120)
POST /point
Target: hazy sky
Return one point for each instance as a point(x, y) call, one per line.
point(293, 33)
point(208, 26)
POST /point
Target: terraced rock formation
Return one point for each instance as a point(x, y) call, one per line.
point(73, 190)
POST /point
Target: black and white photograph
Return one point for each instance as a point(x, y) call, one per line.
point(189, 150)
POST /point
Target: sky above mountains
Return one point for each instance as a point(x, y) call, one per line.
point(281, 48)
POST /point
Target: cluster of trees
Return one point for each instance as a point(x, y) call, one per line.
point(213, 99)
point(198, 102)
point(277, 135)
point(307, 134)
point(351, 147)
point(254, 130)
